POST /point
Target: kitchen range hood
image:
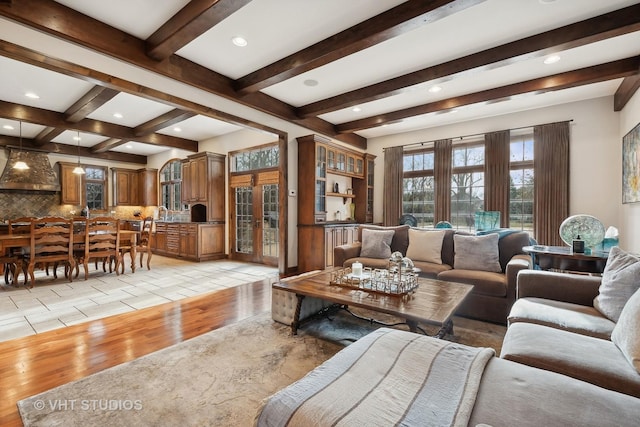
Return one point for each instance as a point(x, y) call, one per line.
point(39, 177)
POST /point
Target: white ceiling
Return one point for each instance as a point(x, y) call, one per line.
point(275, 29)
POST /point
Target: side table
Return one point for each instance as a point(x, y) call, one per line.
point(564, 259)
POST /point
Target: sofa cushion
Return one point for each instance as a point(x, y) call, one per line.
point(484, 282)
point(425, 245)
point(376, 243)
point(562, 315)
point(626, 334)
point(589, 359)
point(429, 269)
point(476, 253)
point(620, 279)
point(400, 241)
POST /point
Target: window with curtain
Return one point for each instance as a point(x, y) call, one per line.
point(418, 186)
point(521, 186)
point(536, 191)
point(467, 184)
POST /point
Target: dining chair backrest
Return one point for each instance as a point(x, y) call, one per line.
point(102, 241)
point(51, 244)
point(21, 225)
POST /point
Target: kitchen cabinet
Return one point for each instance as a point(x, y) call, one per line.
point(70, 185)
point(319, 241)
point(204, 183)
point(135, 187)
point(189, 240)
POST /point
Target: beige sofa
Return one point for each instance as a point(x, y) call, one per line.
point(381, 379)
point(553, 325)
point(493, 293)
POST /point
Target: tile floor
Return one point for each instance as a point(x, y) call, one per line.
point(56, 303)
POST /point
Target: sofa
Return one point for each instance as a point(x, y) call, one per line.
point(556, 324)
point(494, 291)
point(394, 377)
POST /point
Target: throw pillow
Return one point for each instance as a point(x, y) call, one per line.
point(620, 279)
point(376, 243)
point(626, 333)
point(476, 253)
point(425, 245)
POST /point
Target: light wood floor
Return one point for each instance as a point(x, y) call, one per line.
point(37, 363)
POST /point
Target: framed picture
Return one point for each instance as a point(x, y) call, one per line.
point(631, 166)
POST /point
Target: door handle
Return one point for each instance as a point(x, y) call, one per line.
point(257, 223)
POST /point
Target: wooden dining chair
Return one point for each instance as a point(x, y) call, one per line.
point(101, 242)
point(143, 244)
point(51, 244)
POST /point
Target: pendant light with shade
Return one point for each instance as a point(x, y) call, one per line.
point(78, 169)
point(20, 164)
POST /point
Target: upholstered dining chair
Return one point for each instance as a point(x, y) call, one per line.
point(51, 244)
point(101, 242)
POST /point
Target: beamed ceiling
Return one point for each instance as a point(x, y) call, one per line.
point(347, 70)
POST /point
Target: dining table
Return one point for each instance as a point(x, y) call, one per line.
point(24, 240)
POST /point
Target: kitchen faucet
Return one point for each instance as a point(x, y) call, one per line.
point(165, 212)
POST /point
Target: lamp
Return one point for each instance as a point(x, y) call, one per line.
point(20, 165)
point(78, 169)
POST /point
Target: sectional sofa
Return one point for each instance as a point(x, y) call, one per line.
point(490, 262)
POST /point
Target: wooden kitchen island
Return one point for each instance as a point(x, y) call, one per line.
point(196, 241)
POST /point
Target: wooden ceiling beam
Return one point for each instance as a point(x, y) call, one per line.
point(626, 90)
point(55, 19)
point(89, 102)
point(57, 120)
point(163, 121)
point(613, 24)
point(107, 145)
point(72, 150)
point(598, 73)
point(47, 135)
point(394, 22)
point(193, 20)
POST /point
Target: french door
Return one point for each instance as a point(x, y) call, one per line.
point(254, 217)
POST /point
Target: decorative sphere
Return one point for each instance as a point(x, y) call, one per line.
point(396, 256)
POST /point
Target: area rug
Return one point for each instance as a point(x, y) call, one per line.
point(216, 379)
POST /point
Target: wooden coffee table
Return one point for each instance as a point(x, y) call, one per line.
point(433, 303)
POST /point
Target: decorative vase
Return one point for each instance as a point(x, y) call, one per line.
point(352, 207)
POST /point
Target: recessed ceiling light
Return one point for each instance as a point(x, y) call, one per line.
point(551, 59)
point(310, 82)
point(31, 95)
point(435, 89)
point(117, 115)
point(177, 129)
point(8, 127)
point(547, 1)
point(76, 138)
point(239, 41)
point(129, 146)
point(356, 109)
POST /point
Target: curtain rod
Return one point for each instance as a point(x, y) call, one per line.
point(473, 135)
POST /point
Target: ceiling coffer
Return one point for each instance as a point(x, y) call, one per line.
point(39, 177)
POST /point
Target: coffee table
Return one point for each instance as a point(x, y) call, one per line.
point(433, 303)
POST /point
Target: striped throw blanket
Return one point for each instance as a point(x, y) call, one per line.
point(386, 378)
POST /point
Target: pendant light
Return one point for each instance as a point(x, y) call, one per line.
point(78, 169)
point(20, 165)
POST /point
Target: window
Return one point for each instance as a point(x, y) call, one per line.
point(264, 157)
point(467, 185)
point(521, 194)
point(171, 185)
point(95, 184)
point(418, 186)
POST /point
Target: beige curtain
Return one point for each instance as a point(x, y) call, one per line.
point(392, 200)
point(442, 177)
point(551, 169)
point(496, 174)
